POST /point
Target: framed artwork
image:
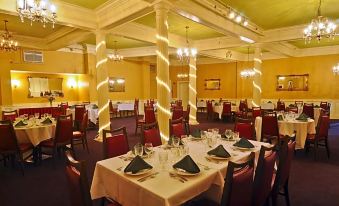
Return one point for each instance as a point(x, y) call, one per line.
point(212, 84)
point(116, 84)
point(292, 82)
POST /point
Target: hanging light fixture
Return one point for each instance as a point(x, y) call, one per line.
point(7, 43)
point(249, 72)
point(336, 69)
point(319, 28)
point(115, 56)
point(37, 11)
point(185, 53)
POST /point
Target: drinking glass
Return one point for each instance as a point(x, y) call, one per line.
point(211, 141)
point(36, 115)
point(228, 134)
point(236, 136)
point(138, 149)
point(163, 158)
point(176, 141)
point(148, 148)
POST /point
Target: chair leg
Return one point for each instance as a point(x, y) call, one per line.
point(327, 148)
point(136, 129)
point(85, 139)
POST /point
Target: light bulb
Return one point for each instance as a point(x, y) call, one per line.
point(245, 23)
point(53, 8)
point(231, 15)
point(238, 19)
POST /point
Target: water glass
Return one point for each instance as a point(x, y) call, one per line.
point(36, 115)
point(236, 136)
point(138, 149)
point(148, 148)
point(163, 158)
point(211, 141)
point(176, 141)
point(228, 134)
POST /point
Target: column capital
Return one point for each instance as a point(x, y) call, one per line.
point(162, 6)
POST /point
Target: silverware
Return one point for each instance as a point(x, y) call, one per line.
point(148, 176)
point(205, 166)
point(214, 161)
point(179, 177)
point(119, 168)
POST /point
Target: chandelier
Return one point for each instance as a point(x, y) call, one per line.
point(336, 69)
point(8, 44)
point(115, 56)
point(37, 10)
point(319, 28)
point(185, 53)
point(246, 73)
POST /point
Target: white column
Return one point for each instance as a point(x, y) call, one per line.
point(163, 83)
point(257, 77)
point(102, 82)
point(192, 94)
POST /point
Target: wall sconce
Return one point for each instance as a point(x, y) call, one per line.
point(71, 83)
point(15, 83)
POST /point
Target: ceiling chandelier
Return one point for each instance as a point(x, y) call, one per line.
point(246, 73)
point(319, 28)
point(185, 53)
point(115, 56)
point(37, 10)
point(7, 43)
point(336, 69)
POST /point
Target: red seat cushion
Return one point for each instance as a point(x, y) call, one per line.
point(77, 134)
point(47, 143)
point(25, 147)
point(141, 121)
point(152, 136)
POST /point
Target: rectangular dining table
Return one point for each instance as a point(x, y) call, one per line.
point(110, 181)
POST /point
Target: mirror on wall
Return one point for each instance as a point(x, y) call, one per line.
point(43, 86)
point(116, 84)
point(292, 82)
point(212, 84)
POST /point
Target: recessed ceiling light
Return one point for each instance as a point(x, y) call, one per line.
point(248, 40)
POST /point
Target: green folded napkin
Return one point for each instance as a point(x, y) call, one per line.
point(94, 106)
point(20, 124)
point(187, 164)
point(244, 143)
point(302, 117)
point(136, 165)
point(219, 151)
point(47, 121)
point(316, 106)
point(196, 133)
point(280, 118)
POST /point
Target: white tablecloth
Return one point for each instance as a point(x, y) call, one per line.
point(92, 113)
point(288, 128)
point(218, 109)
point(268, 106)
point(163, 190)
point(35, 134)
point(125, 107)
point(201, 104)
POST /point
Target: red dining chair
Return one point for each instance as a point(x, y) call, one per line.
point(178, 103)
point(150, 134)
point(256, 112)
point(63, 137)
point(269, 129)
point(138, 121)
point(9, 145)
point(263, 176)
point(243, 108)
point(9, 115)
point(115, 142)
point(308, 109)
point(112, 111)
point(177, 113)
point(281, 177)
point(64, 105)
point(149, 115)
point(80, 136)
point(245, 127)
point(186, 118)
point(76, 174)
point(78, 115)
point(210, 112)
point(177, 127)
point(281, 106)
point(57, 111)
point(325, 106)
point(238, 184)
point(151, 101)
point(321, 136)
point(227, 110)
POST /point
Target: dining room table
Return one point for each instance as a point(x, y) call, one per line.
point(289, 126)
point(163, 185)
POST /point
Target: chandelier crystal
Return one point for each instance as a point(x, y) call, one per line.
point(185, 53)
point(115, 56)
point(319, 28)
point(37, 11)
point(246, 73)
point(336, 69)
point(7, 43)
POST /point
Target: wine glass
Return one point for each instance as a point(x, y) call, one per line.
point(163, 158)
point(228, 134)
point(236, 136)
point(36, 115)
point(138, 149)
point(148, 148)
point(176, 141)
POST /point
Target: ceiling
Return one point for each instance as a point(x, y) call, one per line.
point(324, 42)
point(89, 4)
point(271, 14)
point(16, 27)
point(177, 26)
point(122, 43)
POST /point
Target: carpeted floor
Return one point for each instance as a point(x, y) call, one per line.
point(311, 182)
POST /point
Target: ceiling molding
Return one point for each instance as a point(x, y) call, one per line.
point(280, 48)
point(59, 33)
point(221, 54)
point(283, 34)
point(69, 39)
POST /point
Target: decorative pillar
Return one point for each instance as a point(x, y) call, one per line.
point(192, 94)
point(102, 82)
point(163, 83)
point(257, 77)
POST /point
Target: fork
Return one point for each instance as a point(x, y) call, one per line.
point(205, 166)
point(175, 176)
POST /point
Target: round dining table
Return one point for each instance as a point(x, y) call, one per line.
point(288, 127)
point(35, 132)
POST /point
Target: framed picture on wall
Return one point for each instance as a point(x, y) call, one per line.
point(116, 84)
point(212, 84)
point(292, 82)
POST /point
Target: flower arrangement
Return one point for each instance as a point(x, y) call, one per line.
point(51, 99)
